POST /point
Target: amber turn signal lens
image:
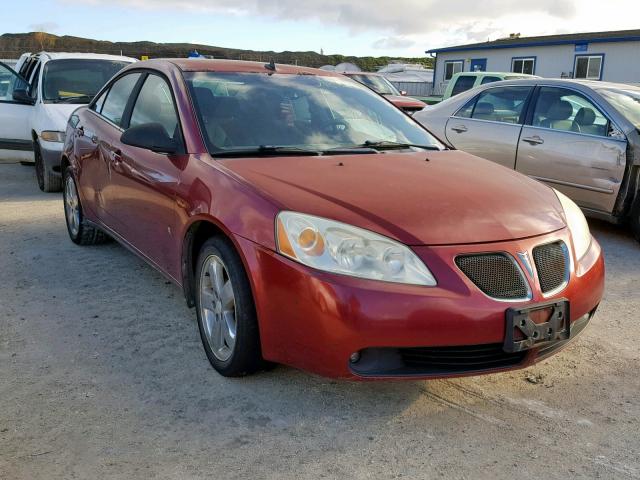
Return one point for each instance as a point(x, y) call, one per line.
point(283, 241)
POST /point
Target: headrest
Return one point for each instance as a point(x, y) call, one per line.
point(484, 108)
point(560, 110)
point(585, 117)
point(215, 107)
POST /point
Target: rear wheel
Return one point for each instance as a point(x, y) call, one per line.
point(79, 232)
point(226, 311)
point(47, 181)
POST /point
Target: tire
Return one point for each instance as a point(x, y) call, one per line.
point(230, 356)
point(47, 181)
point(79, 231)
point(634, 218)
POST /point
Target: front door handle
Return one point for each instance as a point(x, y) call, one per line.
point(535, 140)
point(116, 156)
point(459, 128)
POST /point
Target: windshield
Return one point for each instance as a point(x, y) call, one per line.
point(76, 80)
point(376, 83)
point(627, 102)
point(244, 111)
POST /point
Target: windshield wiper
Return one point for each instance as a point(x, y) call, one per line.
point(88, 98)
point(386, 145)
point(265, 150)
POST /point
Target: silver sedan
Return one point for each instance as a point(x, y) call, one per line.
point(580, 137)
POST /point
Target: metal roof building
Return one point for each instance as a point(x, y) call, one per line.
point(612, 56)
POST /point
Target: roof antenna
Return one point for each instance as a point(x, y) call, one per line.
point(270, 66)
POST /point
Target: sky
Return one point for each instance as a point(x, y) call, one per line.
point(356, 27)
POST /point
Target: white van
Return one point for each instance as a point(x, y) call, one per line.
point(36, 100)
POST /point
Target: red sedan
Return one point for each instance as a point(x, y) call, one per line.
point(313, 224)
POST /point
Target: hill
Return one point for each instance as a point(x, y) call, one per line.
point(12, 45)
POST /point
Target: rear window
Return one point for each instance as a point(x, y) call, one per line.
point(463, 84)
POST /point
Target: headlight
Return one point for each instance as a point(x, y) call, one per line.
point(577, 225)
point(52, 136)
point(340, 248)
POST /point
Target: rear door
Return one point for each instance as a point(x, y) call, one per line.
point(571, 144)
point(15, 134)
point(98, 134)
point(143, 183)
point(489, 125)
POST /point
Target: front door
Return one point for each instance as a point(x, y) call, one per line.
point(569, 145)
point(489, 125)
point(15, 134)
point(478, 65)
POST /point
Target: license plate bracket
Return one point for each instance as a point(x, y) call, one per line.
point(523, 333)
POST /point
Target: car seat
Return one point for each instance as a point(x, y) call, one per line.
point(484, 111)
point(558, 115)
point(585, 122)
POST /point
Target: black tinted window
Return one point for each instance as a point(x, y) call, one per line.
point(118, 96)
point(489, 79)
point(463, 84)
point(155, 105)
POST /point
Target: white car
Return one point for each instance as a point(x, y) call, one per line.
point(36, 100)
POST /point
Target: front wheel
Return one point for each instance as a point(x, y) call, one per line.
point(634, 218)
point(226, 311)
point(47, 181)
point(79, 232)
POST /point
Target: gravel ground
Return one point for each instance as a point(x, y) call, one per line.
point(102, 375)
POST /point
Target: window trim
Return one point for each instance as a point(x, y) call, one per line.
point(588, 56)
point(444, 76)
point(533, 58)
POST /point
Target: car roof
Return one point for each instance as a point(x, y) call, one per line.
point(90, 56)
point(366, 74)
point(239, 66)
point(496, 74)
point(592, 84)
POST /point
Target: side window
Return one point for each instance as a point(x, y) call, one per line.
point(33, 88)
point(501, 104)
point(99, 103)
point(463, 83)
point(118, 96)
point(570, 111)
point(489, 79)
point(155, 105)
point(467, 109)
point(9, 81)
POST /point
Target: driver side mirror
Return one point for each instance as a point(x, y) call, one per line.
point(21, 95)
point(150, 136)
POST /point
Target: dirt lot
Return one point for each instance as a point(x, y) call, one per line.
point(102, 375)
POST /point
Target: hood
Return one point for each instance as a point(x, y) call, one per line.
point(405, 102)
point(425, 198)
point(56, 115)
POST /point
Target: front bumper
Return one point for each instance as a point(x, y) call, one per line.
point(315, 320)
point(51, 156)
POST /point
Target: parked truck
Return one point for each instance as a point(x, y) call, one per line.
point(463, 81)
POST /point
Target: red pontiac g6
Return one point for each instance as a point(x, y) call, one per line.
point(313, 224)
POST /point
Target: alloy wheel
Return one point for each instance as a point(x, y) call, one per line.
point(218, 308)
point(72, 206)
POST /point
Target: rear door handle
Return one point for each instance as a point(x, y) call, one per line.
point(535, 140)
point(459, 128)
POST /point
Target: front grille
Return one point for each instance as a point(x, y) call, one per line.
point(551, 263)
point(459, 359)
point(496, 274)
